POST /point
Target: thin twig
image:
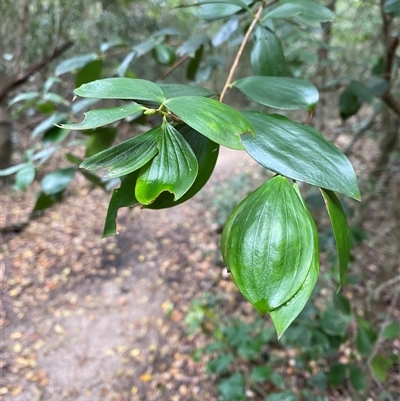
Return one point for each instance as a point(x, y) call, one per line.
point(174, 66)
point(240, 51)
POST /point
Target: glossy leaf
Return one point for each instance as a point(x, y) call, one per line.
point(100, 117)
point(217, 121)
point(90, 72)
point(23, 96)
point(99, 140)
point(25, 177)
point(299, 152)
point(57, 180)
point(174, 169)
point(279, 93)
point(225, 32)
point(177, 90)
point(55, 135)
point(341, 231)
point(219, 9)
point(127, 156)
point(124, 196)
point(75, 63)
point(164, 54)
point(44, 201)
point(48, 123)
point(392, 7)
point(122, 88)
point(206, 152)
point(192, 45)
point(284, 315)
point(311, 10)
point(267, 56)
point(268, 245)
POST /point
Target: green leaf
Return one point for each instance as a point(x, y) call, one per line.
point(392, 7)
point(90, 72)
point(284, 315)
point(366, 337)
point(23, 96)
point(177, 90)
point(124, 65)
point(261, 373)
point(206, 152)
point(337, 374)
point(391, 331)
point(75, 63)
point(174, 169)
point(334, 323)
point(191, 46)
point(299, 152)
point(55, 98)
point(193, 65)
point(124, 196)
point(25, 176)
point(44, 201)
point(280, 93)
point(48, 123)
point(267, 56)
point(55, 135)
point(353, 97)
point(164, 54)
point(380, 365)
point(122, 88)
point(302, 8)
point(12, 170)
point(49, 83)
point(284, 396)
point(100, 117)
point(217, 121)
point(99, 140)
point(268, 245)
point(220, 364)
point(57, 180)
point(232, 388)
point(127, 156)
point(225, 32)
point(356, 378)
point(340, 230)
point(342, 303)
point(219, 9)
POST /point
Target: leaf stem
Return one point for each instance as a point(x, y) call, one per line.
point(240, 51)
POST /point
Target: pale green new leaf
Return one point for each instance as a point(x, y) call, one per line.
point(75, 63)
point(300, 152)
point(268, 245)
point(122, 88)
point(127, 156)
point(100, 117)
point(341, 230)
point(174, 169)
point(217, 121)
point(279, 92)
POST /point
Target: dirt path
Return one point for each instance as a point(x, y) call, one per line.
point(92, 319)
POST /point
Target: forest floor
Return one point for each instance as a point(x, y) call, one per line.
point(86, 318)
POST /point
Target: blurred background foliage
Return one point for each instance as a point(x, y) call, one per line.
point(352, 349)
